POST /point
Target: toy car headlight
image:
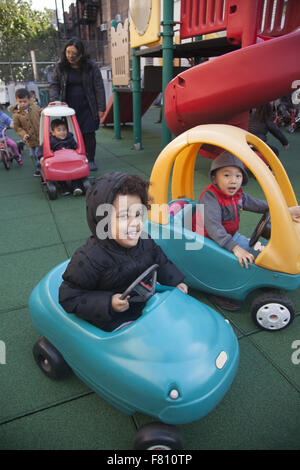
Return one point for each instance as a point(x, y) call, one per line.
point(221, 359)
point(174, 394)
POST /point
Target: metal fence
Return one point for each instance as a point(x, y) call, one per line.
point(19, 64)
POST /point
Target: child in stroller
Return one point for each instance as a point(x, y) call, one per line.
point(61, 138)
point(64, 165)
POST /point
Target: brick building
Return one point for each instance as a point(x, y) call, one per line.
point(91, 21)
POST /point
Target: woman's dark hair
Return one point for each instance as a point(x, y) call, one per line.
point(135, 185)
point(264, 113)
point(84, 59)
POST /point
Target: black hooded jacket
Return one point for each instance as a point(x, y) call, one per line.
point(101, 268)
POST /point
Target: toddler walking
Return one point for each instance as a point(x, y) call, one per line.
point(26, 120)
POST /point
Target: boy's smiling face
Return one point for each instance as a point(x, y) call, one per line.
point(229, 179)
point(127, 220)
point(60, 132)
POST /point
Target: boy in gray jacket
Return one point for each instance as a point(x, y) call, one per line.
point(223, 202)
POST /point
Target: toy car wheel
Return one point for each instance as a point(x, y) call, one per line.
point(158, 436)
point(272, 312)
point(86, 184)
point(49, 359)
point(52, 192)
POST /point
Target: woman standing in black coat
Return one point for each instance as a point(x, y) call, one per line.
point(77, 80)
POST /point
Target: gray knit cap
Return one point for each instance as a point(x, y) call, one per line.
point(228, 159)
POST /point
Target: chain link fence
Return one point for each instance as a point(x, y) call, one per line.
point(17, 62)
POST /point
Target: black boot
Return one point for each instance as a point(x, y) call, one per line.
point(93, 166)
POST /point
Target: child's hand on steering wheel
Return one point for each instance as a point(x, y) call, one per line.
point(183, 287)
point(119, 305)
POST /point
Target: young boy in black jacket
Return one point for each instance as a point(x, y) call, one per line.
point(115, 255)
point(61, 138)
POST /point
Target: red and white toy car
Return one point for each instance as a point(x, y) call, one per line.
point(65, 164)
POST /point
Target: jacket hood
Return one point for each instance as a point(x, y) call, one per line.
point(102, 192)
point(228, 159)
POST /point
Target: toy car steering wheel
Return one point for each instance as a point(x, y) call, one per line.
point(265, 219)
point(143, 290)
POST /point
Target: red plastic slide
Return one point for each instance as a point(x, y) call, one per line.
point(223, 89)
point(147, 99)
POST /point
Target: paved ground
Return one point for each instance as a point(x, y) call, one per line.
point(261, 410)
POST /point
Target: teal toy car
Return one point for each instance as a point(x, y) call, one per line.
point(207, 266)
point(174, 363)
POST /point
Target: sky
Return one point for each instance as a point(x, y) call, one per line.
point(41, 4)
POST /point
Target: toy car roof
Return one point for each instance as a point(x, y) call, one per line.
point(58, 108)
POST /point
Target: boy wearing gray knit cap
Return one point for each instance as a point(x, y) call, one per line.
point(223, 202)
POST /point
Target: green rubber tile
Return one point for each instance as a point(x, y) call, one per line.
point(282, 349)
point(20, 272)
point(118, 148)
point(146, 169)
point(17, 187)
point(108, 158)
point(19, 179)
point(28, 233)
point(24, 387)
point(87, 423)
point(67, 204)
point(18, 173)
point(260, 411)
point(72, 224)
point(15, 206)
point(116, 165)
point(27, 169)
point(145, 156)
